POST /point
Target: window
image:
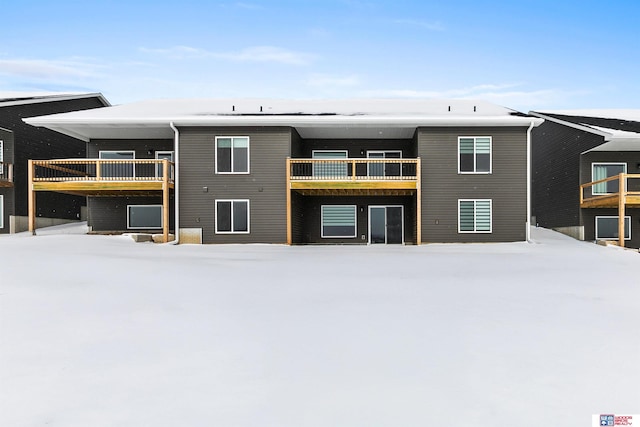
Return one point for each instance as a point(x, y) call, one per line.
point(338, 221)
point(161, 155)
point(474, 216)
point(330, 169)
point(606, 170)
point(144, 216)
point(119, 169)
point(474, 154)
point(232, 216)
point(607, 227)
point(384, 169)
point(232, 154)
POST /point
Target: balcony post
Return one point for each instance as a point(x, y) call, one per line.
point(165, 200)
point(288, 198)
point(622, 199)
point(98, 172)
point(31, 199)
point(353, 170)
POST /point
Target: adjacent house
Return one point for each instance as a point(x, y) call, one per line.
point(348, 171)
point(20, 142)
point(586, 166)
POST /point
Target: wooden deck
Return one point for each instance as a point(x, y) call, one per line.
point(6, 175)
point(626, 196)
point(102, 178)
point(354, 177)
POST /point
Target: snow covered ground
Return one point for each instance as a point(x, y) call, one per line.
point(100, 331)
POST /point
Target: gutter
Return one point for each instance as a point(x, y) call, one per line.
point(176, 186)
point(528, 222)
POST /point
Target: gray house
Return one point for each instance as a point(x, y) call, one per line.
point(281, 171)
point(586, 174)
point(20, 142)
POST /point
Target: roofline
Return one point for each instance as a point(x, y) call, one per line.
point(606, 135)
point(55, 98)
point(6, 130)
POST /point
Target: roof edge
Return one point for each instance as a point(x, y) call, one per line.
point(585, 128)
point(55, 98)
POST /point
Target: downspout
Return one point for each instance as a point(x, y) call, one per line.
point(176, 183)
point(528, 222)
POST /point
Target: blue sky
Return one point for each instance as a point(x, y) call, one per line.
point(521, 54)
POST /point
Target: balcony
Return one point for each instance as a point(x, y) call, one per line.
point(612, 192)
point(97, 177)
point(6, 174)
point(94, 177)
point(353, 176)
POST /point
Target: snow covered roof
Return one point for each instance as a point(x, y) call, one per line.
point(612, 113)
point(617, 140)
point(8, 98)
point(151, 119)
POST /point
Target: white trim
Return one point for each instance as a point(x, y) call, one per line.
point(355, 222)
point(385, 220)
point(475, 216)
point(232, 137)
point(1, 211)
point(604, 163)
point(232, 201)
point(528, 221)
point(475, 172)
point(616, 218)
point(144, 228)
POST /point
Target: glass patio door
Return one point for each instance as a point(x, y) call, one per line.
point(384, 169)
point(386, 225)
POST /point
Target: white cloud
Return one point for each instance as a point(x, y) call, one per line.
point(47, 69)
point(250, 54)
point(433, 26)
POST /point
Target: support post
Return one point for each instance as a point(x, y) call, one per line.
point(418, 203)
point(622, 199)
point(165, 200)
point(288, 190)
point(31, 200)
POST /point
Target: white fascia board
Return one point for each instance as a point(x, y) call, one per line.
point(54, 98)
point(585, 128)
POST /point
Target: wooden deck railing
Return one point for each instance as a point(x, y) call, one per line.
point(353, 169)
point(100, 170)
point(6, 174)
point(624, 185)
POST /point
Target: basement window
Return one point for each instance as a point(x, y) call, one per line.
point(232, 216)
point(607, 228)
point(338, 221)
point(144, 216)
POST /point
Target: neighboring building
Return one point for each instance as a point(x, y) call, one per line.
point(572, 150)
point(298, 172)
point(20, 142)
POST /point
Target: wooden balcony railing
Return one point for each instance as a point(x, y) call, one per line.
point(6, 174)
point(353, 171)
point(610, 192)
point(100, 170)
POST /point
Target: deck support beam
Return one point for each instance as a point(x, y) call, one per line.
point(621, 207)
point(31, 200)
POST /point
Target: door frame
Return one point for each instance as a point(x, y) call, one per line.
point(385, 220)
point(384, 153)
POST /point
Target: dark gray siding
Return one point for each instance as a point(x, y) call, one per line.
point(589, 220)
point(264, 186)
point(442, 186)
point(40, 143)
point(109, 214)
point(310, 221)
point(7, 193)
point(555, 176)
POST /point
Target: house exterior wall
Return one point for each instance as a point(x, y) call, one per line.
point(357, 148)
point(109, 214)
point(555, 176)
point(7, 193)
point(40, 143)
point(264, 186)
point(443, 186)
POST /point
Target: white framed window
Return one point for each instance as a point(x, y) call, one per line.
point(607, 227)
point(161, 155)
point(384, 169)
point(144, 216)
point(330, 169)
point(1, 211)
point(232, 216)
point(474, 154)
point(475, 216)
point(117, 170)
point(232, 154)
point(338, 221)
point(603, 170)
